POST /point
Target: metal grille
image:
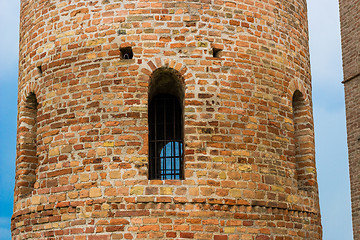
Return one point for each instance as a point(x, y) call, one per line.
point(165, 138)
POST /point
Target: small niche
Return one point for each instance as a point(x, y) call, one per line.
point(27, 158)
point(216, 52)
point(39, 70)
point(126, 53)
point(303, 143)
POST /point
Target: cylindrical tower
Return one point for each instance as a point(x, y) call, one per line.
point(165, 119)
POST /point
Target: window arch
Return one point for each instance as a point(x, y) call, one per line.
point(166, 144)
point(304, 143)
point(27, 160)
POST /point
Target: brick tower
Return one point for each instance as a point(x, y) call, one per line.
point(350, 34)
point(165, 119)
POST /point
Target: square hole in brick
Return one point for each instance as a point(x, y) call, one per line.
point(216, 52)
point(126, 53)
point(39, 70)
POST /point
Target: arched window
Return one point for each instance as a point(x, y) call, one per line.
point(166, 145)
point(304, 143)
point(27, 160)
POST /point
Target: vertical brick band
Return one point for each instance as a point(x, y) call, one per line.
point(350, 35)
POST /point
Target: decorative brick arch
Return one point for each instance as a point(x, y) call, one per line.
point(151, 66)
point(31, 87)
point(297, 85)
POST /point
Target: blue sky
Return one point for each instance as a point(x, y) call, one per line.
point(329, 115)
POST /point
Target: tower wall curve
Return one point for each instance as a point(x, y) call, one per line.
point(82, 159)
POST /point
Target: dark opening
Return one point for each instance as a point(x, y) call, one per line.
point(39, 69)
point(216, 52)
point(165, 138)
point(126, 53)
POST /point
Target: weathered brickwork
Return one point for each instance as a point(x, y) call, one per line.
point(249, 167)
point(352, 96)
point(350, 33)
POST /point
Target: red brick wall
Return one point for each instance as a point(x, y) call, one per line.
point(350, 33)
point(241, 146)
point(352, 96)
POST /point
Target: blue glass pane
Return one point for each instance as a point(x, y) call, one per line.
point(170, 156)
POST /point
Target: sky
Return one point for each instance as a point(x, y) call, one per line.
point(329, 116)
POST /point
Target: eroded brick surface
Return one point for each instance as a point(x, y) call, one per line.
point(244, 174)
